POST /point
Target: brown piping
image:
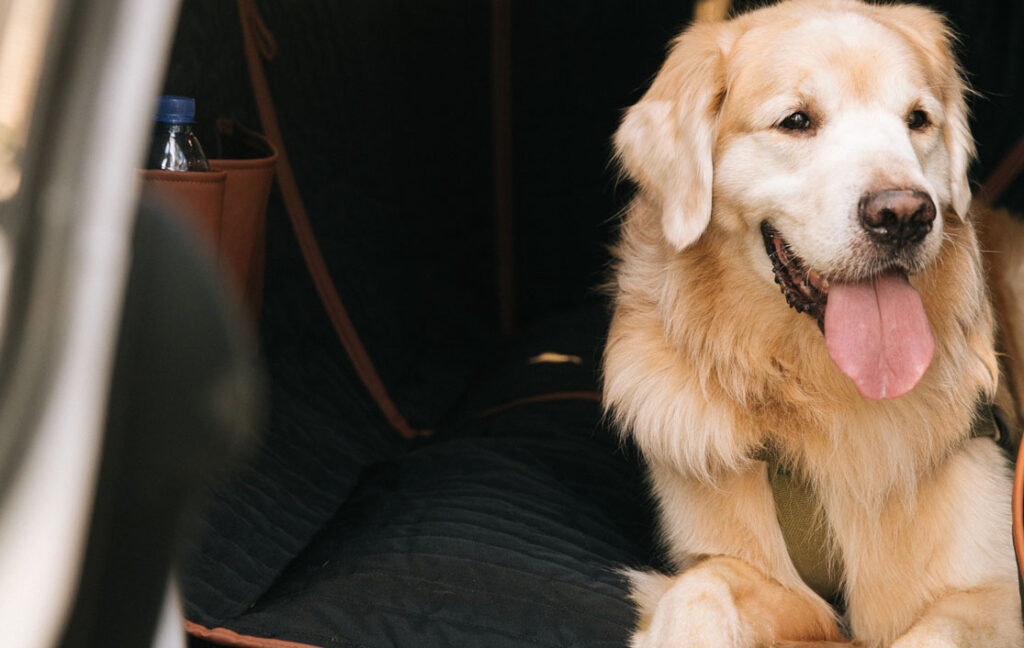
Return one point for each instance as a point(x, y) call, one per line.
point(1004, 175)
point(541, 398)
point(501, 132)
point(260, 42)
point(225, 637)
point(711, 10)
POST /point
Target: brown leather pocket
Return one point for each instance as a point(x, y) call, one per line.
point(200, 194)
point(243, 230)
point(229, 205)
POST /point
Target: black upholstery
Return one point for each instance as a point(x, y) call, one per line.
point(506, 530)
point(506, 540)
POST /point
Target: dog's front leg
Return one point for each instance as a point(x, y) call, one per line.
point(984, 618)
point(745, 591)
point(937, 570)
point(723, 602)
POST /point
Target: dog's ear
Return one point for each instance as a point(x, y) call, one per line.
point(665, 141)
point(937, 45)
point(932, 36)
point(960, 144)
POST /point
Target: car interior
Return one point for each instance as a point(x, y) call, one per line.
point(354, 394)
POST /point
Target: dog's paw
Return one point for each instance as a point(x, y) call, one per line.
point(723, 602)
point(695, 610)
point(932, 633)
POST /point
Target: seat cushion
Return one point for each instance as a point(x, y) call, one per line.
point(508, 529)
point(493, 541)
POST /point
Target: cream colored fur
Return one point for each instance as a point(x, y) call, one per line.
point(705, 361)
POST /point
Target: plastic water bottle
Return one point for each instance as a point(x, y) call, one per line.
point(175, 146)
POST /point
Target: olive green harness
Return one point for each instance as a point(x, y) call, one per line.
point(802, 520)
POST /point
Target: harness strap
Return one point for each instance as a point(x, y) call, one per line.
point(802, 521)
point(803, 526)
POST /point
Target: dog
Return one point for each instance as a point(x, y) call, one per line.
point(798, 294)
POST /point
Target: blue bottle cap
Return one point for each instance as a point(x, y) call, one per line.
point(176, 110)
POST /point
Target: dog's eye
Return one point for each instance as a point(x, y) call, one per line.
point(798, 121)
point(918, 120)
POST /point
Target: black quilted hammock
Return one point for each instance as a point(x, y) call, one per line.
point(509, 525)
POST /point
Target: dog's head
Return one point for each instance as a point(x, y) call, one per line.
point(832, 137)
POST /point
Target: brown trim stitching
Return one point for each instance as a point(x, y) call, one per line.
point(252, 164)
point(711, 10)
point(1004, 174)
point(253, 28)
point(212, 177)
point(541, 398)
point(225, 637)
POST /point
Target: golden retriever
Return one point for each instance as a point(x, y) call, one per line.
point(799, 272)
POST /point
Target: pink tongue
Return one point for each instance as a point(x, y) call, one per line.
point(878, 334)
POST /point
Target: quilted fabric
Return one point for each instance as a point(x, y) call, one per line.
point(322, 430)
point(506, 530)
point(507, 540)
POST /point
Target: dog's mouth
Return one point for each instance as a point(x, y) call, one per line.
point(875, 328)
point(805, 290)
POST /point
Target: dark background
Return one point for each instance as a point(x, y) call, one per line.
point(386, 110)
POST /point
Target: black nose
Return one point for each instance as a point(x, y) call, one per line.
point(897, 217)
